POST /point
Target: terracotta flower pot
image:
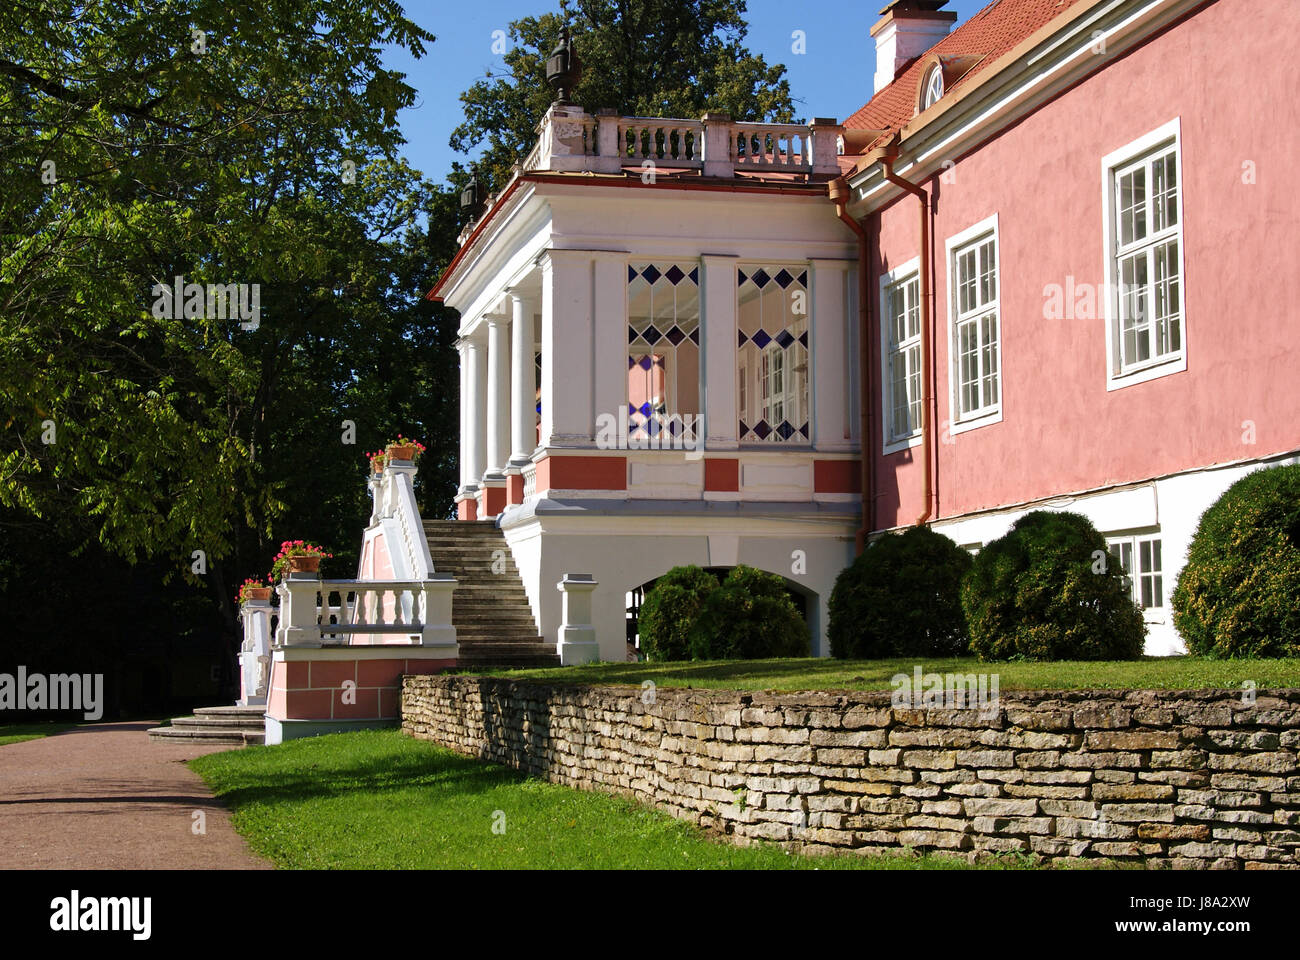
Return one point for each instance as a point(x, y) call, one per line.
point(406, 452)
point(257, 593)
point(304, 564)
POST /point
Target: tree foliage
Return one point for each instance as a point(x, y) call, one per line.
point(643, 58)
point(246, 144)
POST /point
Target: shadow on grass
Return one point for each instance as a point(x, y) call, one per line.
point(258, 774)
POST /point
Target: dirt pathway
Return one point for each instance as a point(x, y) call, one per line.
point(103, 797)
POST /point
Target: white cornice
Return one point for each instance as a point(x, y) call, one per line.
point(1058, 56)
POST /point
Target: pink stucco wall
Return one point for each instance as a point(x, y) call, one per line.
point(1226, 72)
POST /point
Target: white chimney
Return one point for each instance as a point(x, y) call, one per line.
point(907, 29)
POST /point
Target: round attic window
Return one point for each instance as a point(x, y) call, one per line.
point(933, 89)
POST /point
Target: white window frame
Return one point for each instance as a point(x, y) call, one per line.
point(906, 271)
point(1134, 540)
point(1144, 148)
point(973, 236)
point(928, 88)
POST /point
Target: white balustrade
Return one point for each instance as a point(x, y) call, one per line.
point(568, 139)
point(772, 146)
point(677, 143)
point(316, 612)
point(358, 612)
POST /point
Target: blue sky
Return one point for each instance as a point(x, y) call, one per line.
point(831, 79)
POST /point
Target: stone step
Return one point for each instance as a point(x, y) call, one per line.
point(233, 722)
point(231, 711)
point(509, 663)
point(477, 640)
point(231, 735)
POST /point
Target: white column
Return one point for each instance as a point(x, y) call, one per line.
point(498, 395)
point(466, 400)
point(476, 393)
point(523, 382)
point(828, 349)
point(718, 318)
point(609, 378)
point(568, 418)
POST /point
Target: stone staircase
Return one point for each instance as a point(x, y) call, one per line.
point(238, 726)
point(494, 623)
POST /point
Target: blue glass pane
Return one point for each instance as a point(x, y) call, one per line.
point(762, 339)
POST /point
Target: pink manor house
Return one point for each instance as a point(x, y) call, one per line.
point(1050, 264)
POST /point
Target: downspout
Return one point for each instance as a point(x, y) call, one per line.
point(927, 346)
point(838, 192)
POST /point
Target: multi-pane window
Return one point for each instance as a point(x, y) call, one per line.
point(663, 346)
point(1139, 556)
point(975, 327)
point(903, 358)
point(772, 355)
point(1146, 243)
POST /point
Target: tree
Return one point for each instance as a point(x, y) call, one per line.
point(225, 145)
point(648, 58)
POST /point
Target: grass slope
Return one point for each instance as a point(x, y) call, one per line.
point(383, 800)
point(1161, 673)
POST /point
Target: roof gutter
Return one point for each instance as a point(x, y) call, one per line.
point(839, 193)
point(890, 154)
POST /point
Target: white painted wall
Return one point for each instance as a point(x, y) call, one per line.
point(1171, 506)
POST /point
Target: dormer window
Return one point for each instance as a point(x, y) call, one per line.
point(933, 88)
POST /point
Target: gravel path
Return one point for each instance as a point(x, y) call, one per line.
point(103, 797)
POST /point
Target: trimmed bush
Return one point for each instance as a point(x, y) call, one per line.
point(901, 598)
point(670, 610)
point(750, 617)
point(1049, 590)
point(1239, 593)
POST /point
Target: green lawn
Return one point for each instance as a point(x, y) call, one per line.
point(383, 800)
point(18, 732)
point(1166, 673)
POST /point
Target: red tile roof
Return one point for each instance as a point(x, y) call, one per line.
point(989, 34)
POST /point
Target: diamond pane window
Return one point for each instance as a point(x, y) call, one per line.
point(772, 359)
point(663, 346)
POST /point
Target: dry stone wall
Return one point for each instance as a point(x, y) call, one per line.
point(1199, 779)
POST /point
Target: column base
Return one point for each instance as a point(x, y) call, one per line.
point(466, 507)
point(492, 497)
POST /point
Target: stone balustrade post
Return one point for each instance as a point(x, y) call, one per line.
point(577, 643)
point(823, 145)
point(299, 610)
point(254, 652)
point(376, 485)
point(718, 161)
point(436, 602)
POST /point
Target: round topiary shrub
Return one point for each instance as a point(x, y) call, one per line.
point(670, 609)
point(750, 617)
point(901, 598)
point(1239, 593)
point(1048, 590)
